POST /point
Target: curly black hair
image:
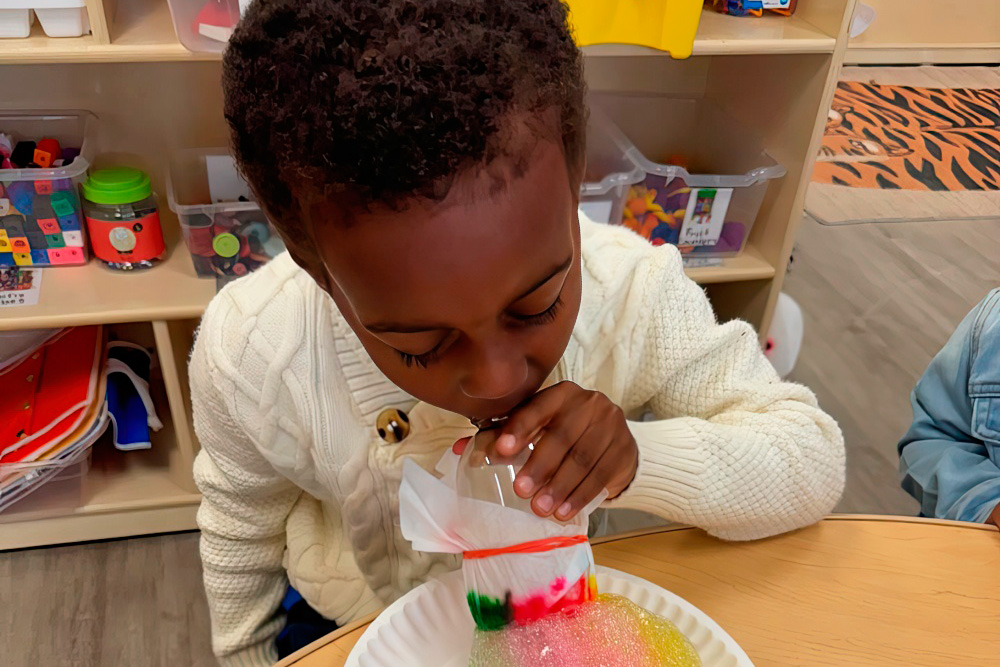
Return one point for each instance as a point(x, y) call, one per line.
point(385, 101)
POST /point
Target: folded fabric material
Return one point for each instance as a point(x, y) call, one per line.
point(18, 480)
point(21, 343)
point(49, 393)
point(129, 404)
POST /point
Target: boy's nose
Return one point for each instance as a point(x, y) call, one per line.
point(495, 374)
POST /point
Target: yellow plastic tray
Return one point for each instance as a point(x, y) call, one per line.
point(667, 25)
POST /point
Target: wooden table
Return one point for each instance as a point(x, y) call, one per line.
point(851, 590)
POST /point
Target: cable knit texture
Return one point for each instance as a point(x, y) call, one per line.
point(298, 484)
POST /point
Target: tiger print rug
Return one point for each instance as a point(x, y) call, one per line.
point(910, 143)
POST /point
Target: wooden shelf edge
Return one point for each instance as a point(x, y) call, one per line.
point(106, 317)
point(88, 527)
point(908, 54)
point(749, 265)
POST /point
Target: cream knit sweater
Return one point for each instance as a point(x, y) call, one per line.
point(295, 478)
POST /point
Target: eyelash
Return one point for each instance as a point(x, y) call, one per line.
point(539, 319)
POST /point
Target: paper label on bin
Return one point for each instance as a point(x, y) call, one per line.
point(775, 4)
point(597, 211)
point(706, 212)
point(224, 182)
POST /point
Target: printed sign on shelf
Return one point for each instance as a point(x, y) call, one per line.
point(19, 287)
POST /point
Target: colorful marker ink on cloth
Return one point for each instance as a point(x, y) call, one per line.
point(530, 582)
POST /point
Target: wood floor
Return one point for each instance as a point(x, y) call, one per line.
point(879, 300)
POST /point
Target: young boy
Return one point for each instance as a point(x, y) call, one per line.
point(949, 460)
point(422, 162)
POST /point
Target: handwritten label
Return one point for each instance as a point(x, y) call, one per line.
point(705, 215)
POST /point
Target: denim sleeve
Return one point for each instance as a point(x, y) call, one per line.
point(943, 462)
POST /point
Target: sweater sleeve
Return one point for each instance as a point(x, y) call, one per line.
point(242, 517)
point(733, 449)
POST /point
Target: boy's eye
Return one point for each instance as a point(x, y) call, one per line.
point(535, 319)
point(419, 359)
point(544, 317)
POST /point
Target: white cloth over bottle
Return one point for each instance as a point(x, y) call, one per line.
point(436, 519)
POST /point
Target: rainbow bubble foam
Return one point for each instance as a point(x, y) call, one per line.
point(612, 631)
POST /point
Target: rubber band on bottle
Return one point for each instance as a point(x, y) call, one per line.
point(532, 547)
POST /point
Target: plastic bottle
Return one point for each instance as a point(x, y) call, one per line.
point(485, 475)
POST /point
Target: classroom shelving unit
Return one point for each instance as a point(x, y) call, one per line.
point(918, 32)
point(154, 97)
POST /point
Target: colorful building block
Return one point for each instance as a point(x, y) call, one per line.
point(23, 259)
point(67, 256)
point(19, 245)
point(4, 242)
point(37, 241)
point(46, 152)
point(69, 222)
point(4, 206)
point(73, 239)
point(7, 259)
point(62, 203)
point(21, 195)
point(49, 225)
point(23, 153)
point(43, 187)
point(14, 224)
point(42, 158)
point(55, 240)
point(39, 257)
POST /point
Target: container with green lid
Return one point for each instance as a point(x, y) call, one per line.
point(122, 218)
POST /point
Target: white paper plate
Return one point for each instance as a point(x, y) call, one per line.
point(431, 626)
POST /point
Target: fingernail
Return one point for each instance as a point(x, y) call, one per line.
point(544, 503)
point(524, 486)
point(505, 442)
point(564, 510)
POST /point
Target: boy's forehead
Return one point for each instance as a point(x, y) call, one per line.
point(475, 246)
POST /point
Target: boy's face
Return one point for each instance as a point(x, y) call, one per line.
point(467, 303)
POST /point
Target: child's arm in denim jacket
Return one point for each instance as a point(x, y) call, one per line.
point(949, 459)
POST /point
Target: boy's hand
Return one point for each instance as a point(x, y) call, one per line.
point(582, 446)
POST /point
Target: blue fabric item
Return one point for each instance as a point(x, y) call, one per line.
point(949, 460)
point(129, 417)
point(303, 625)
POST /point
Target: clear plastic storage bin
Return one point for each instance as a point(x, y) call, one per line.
point(225, 238)
point(610, 171)
point(43, 485)
point(59, 18)
point(41, 221)
point(206, 25)
point(704, 176)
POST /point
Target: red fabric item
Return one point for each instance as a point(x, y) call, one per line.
point(48, 394)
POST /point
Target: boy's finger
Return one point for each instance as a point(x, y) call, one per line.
point(549, 454)
point(579, 464)
point(587, 490)
point(542, 464)
point(460, 445)
point(527, 421)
